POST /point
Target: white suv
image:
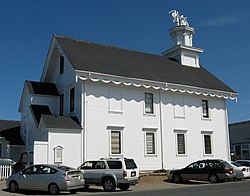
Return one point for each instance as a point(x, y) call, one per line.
point(110, 173)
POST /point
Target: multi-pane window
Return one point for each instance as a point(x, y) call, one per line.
point(181, 149)
point(205, 111)
point(61, 64)
point(72, 99)
point(207, 144)
point(149, 103)
point(115, 142)
point(150, 143)
point(61, 104)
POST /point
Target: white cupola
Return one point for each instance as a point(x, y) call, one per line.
point(182, 37)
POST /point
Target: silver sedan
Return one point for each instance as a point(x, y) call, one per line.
point(44, 177)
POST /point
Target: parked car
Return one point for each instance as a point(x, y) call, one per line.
point(110, 173)
point(25, 160)
point(5, 161)
point(240, 171)
point(51, 178)
point(243, 162)
point(213, 170)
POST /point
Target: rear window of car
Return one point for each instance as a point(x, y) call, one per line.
point(114, 164)
point(130, 164)
point(65, 168)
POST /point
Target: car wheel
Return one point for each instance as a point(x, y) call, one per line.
point(124, 187)
point(73, 191)
point(13, 186)
point(213, 178)
point(53, 189)
point(176, 178)
point(109, 184)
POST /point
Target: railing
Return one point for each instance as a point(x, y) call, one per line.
point(5, 171)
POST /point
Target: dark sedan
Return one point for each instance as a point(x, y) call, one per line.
point(212, 170)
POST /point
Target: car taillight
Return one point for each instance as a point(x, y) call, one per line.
point(244, 169)
point(227, 170)
point(66, 178)
point(125, 174)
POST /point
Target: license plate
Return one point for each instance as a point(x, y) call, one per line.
point(133, 174)
point(76, 177)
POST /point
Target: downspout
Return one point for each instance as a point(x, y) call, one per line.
point(161, 131)
point(227, 133)
point(85, 123)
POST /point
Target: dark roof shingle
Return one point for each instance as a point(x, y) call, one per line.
point(92, 57)
point(60, 122)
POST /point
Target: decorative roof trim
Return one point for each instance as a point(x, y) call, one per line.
point(118, 80)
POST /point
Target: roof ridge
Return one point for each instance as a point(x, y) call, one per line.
point(105, 45)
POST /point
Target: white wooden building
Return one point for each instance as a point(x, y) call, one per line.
point(96, 101)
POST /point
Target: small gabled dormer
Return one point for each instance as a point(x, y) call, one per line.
point(182, 38)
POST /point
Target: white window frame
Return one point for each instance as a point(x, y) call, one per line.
point(115, 128)
point(153, 104)
point(154, 132)
point(210, 133)
point(184, 132)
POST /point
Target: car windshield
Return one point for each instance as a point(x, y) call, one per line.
point(130, 164)
point(226, 164)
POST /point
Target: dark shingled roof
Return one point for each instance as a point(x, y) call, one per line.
point(60, 122)
point(38, 111)
point(10, 130)
point(92, 57)
point(42, 88)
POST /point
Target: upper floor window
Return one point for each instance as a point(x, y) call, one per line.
point(149, 103)
point(61, 64)
point(72, 99)
point(61, 105)
point(205, 111)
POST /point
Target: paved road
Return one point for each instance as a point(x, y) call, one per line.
point(240, 188)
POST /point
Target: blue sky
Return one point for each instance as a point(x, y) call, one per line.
point(26, 27)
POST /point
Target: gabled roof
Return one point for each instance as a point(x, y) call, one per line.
point(60, 122)
point(42, 88)
point(97, 58)
point(37, 112)
point(10, 130)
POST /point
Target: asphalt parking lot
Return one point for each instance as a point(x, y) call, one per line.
point(146, 183)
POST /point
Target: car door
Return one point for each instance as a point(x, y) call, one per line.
point(189, 172)
point(44, 176)
point(93, 171)
point(202, 171)
point(27, 176)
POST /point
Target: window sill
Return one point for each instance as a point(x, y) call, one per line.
point(181, 155)
point(150, 155)
point(148, 114)
point(208, 155)
point(116, 112)
point(179, 117)
point(206, 119)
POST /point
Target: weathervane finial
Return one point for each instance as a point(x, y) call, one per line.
point(177, 19)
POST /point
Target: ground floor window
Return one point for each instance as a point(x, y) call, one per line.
point(115, 142)
point(150, 143)
point(207, 142)
point(181, 142)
